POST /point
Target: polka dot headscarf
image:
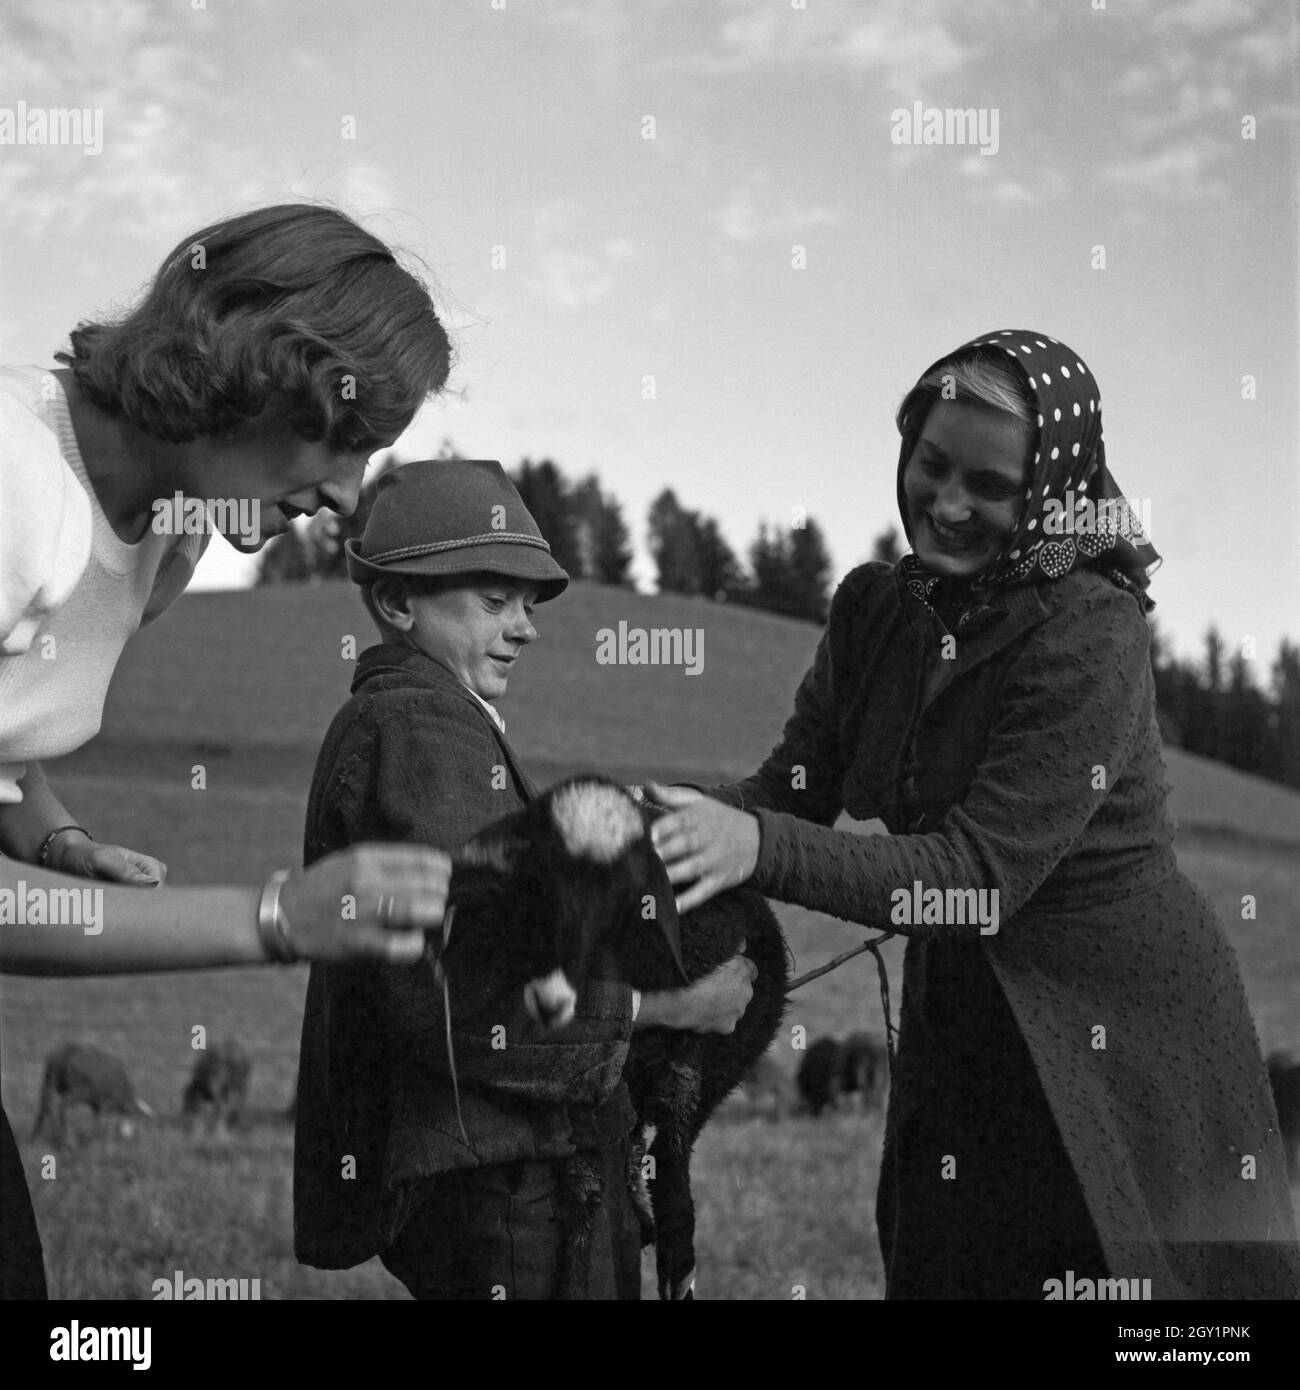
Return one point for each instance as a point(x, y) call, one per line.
point(1068, 457)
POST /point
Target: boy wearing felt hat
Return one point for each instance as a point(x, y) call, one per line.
point(450, 566)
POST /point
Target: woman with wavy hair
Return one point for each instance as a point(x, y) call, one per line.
point(272, 355)
point(1078, 1093)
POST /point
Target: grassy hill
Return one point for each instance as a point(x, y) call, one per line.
point(246, 684)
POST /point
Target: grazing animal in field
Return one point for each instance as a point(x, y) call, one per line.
point(80, 1074)
point(218, 1085)
point(865, 1069)
point(542, 895)
point(1284, 1077)
point(821, 1075)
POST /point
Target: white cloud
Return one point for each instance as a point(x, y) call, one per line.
point(1214, 61)
point(906, 43)
point(1205, 16)
point(143, 67)
point(1049, 183)
point(571, 278)
point(575, 269)
point(612, 32)
point(907, 47)
point(752, 211)
point(1181, 172)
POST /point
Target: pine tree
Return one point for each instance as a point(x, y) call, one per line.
point(603, 543)
point(886, 547)
point(674, 545)
point(810, 572)
point(721, 577)
point(769, 562)
point(545, 493)
point(1285, 717)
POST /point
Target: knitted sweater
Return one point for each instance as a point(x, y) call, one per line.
point(1030, 764)
point(71, 591)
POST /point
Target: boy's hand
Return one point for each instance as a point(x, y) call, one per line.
point(714, 1004)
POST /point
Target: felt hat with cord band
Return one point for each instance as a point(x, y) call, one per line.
point(448, 517)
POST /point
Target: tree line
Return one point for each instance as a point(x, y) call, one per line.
point(1216, 708)
point(789, 571)
point(1213, 707)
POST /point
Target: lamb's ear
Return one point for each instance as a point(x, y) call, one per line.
point(498, 854)
point(482, 867)
point(658, 887)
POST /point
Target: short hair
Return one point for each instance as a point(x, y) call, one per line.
point(413, 584)
point(420, 585)
point(981, 378)
point(295, 299)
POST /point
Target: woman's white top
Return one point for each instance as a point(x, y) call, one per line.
point(71, 591)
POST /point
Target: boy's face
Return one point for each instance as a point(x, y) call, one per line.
point(476, 629)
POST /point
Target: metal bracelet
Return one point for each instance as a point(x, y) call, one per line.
point(272, 924)
point(43, 858)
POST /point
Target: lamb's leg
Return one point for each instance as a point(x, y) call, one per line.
point(674, 1214)
point(636, 1185)
point(580, 1187)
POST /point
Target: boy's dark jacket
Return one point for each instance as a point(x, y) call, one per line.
point(414, 757)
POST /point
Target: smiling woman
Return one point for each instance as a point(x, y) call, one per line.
point(272, 354)
point(1078, 1094)
point(964, 482)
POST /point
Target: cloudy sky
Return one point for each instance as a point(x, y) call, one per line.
point(522, 125)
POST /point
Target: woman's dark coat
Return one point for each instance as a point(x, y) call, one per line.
point(414, 757)
point(1090, 1073)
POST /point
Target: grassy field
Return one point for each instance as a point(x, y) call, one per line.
point(245, 685)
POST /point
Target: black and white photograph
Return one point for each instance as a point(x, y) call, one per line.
point(590, 708)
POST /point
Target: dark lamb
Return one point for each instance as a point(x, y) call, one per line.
point(538, 898)
point(866, 1069)
point(821, 1075)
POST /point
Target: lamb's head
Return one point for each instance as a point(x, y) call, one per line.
point(567, 877)
point(596, 821)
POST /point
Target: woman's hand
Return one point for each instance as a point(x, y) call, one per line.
point(369, 900)
point(74, 852)
point(703, 842)
point(711, 1005)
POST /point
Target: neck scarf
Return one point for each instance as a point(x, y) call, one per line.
point(1074, 514)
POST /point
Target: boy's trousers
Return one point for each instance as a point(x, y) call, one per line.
point(494, 1233)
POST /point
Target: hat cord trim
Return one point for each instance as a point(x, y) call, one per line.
point(464, 543)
